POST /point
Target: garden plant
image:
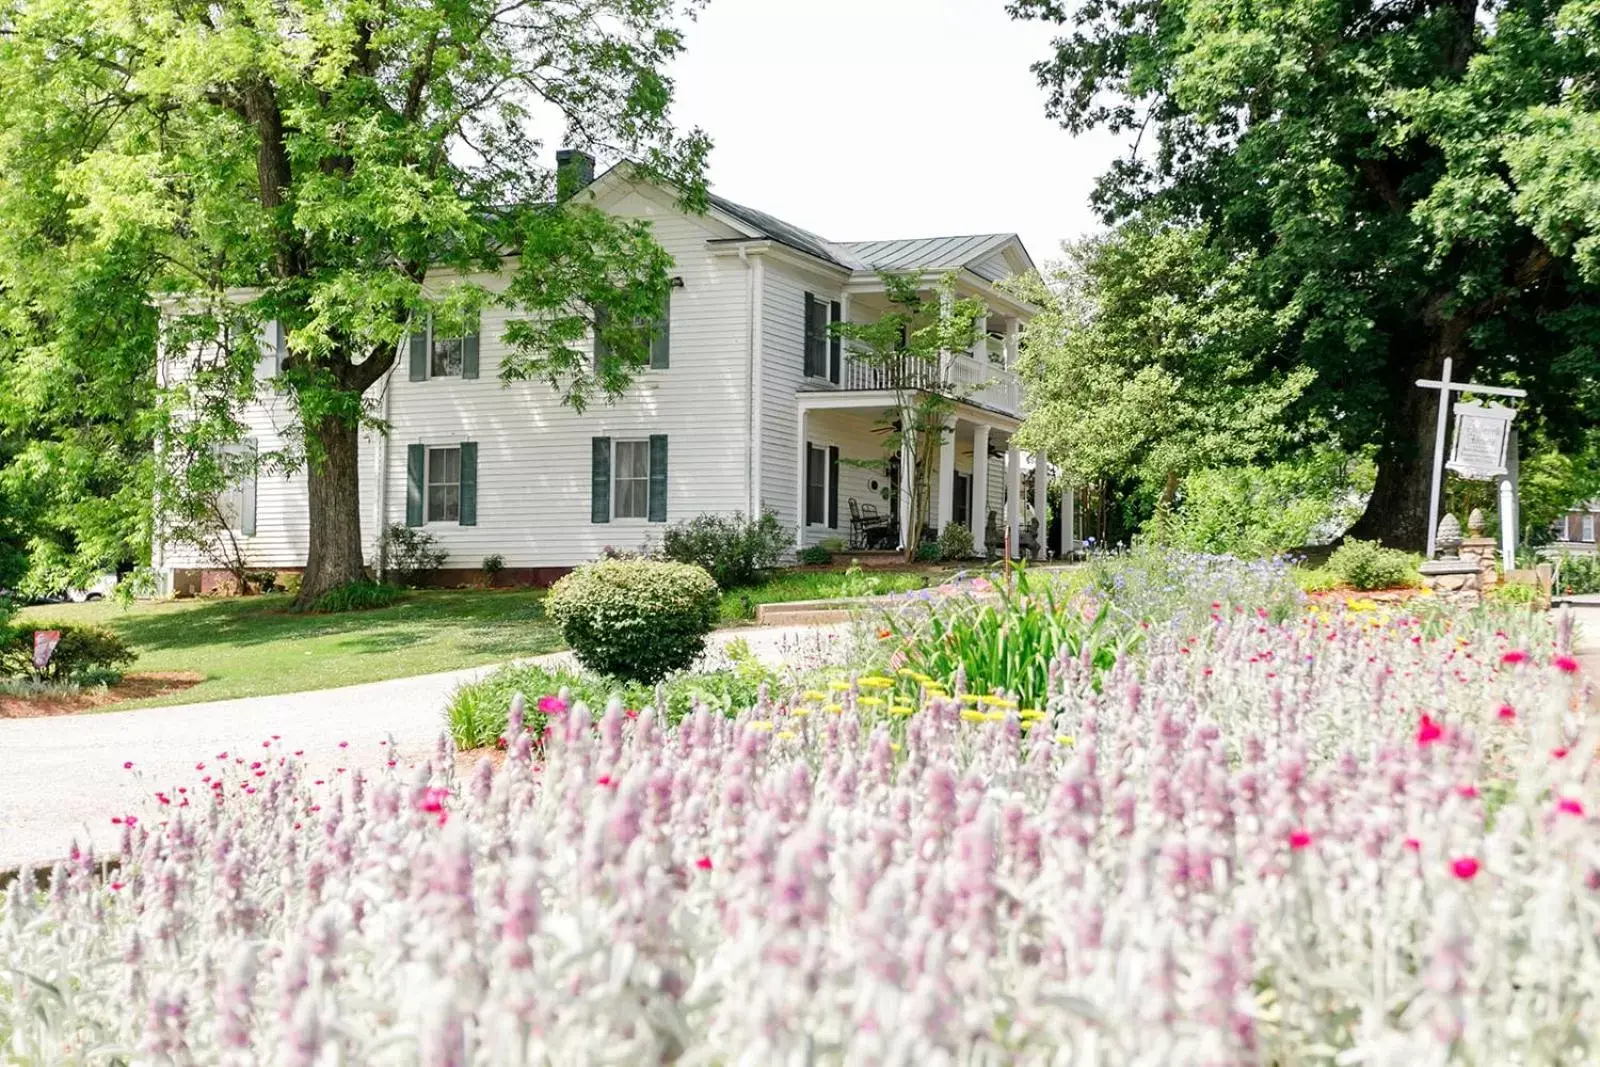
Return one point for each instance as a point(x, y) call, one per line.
point(1348, 835)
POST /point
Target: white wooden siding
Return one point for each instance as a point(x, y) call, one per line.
point(534, 452)
point(852, 433)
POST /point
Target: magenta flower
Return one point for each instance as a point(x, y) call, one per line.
point(1514, 657)
point(1464, 868)
point(552, 705)
point(1570, 806)
point(1300, 840)
point(1565, 664)
point(1428, 731)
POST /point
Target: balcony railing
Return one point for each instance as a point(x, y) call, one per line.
point(976, 381)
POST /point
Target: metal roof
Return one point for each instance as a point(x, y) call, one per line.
point(932, 253)
point(918, 253)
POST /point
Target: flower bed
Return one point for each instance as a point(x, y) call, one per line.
point(1257, 843)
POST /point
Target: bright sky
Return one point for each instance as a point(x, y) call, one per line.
point(869, 119)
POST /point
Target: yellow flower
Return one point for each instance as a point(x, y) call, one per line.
point(873, 681)
point(833, 709)
point(894, 746)
point(970, 698)
point(799, 713)
point(996, 716)
point(761, 726)
point(1063, 739)
point(787, 735)
point(1031, 713)
point(867, 702)
point(814, 694)
point(974, 716)
point(902, 710)
point(998, 701)
point(907, 672)
point(838, 685)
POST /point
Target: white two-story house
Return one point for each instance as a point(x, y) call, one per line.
point(749, 403)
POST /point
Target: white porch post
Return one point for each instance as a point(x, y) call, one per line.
point(978, 514)
point(1069, 519)
point(1013, 334)
point(1014, 495)
point(980, 339)
point(907, 476)
point(800, 485)
point(1041, 505)
point(947, 477)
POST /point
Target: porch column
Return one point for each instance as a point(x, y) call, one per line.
point(1069, 519)
point(1012, 337)
point(978, 514)
point(908, 470)
point(946, 504)
point(1041, 505)
point(800, 485)
point(980, 339)
point(1014, 495)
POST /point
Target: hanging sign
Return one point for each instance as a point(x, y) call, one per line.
point(1482, 431)
point(44, 646)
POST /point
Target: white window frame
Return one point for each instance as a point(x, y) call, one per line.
point(617, 479)
point(428, 454)
point(434, 341)
point(1586, 528)
point(231, 501)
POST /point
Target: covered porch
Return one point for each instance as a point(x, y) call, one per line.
point(852, 494)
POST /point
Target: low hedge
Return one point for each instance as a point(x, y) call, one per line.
point(637, 620)
point(1368, 565)
point(83, 651)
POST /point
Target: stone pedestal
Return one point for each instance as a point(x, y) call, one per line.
point(1482, 551)
point(1456, 580)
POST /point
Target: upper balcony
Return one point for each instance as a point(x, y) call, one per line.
point(982, 382)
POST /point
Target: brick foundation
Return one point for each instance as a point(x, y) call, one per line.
point(194, 581)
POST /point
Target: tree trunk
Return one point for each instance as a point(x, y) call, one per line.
point(1397, 512)
point(333, 481)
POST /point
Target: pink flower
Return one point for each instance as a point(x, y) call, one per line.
point(1469, 791)
point(116, 886)
point(1413, 844)
point(1570, 806)
point(1507, 713)
point(1514, 657)
point(604, 779)
point(552, 705)
point(128, 766)
point(1565, 664)
point(1558, 753)
point(1464, 868)
point(1428, 731)
point(704, 863)
point(1300, 840)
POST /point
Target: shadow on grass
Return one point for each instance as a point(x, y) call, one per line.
point(487, 623)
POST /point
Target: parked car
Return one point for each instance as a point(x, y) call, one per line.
point(98, 589)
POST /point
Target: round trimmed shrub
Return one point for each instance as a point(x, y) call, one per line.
point(635, 619)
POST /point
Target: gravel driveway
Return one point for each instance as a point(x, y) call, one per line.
point(62, 778)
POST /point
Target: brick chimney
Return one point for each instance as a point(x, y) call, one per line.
point(574, 170)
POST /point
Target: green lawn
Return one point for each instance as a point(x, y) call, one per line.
point(255, 647)
point(739, 605)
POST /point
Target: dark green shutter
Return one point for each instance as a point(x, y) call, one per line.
point(810, 362)
point(658, 477)
point(468, 515)
point(833, 486)
point(600, 480)
point(419, 356)
point(469, 355)
point(602, 351)
point(835, 313)
point(416, 457)
point(661, 338)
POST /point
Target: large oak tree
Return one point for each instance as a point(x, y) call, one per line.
point(1405, 181)
point(329, 165)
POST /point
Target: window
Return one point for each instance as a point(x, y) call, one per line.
point(961, 506)
point(444, 485)
point(1588, 527)
point(816, 484)
point(448, 348)
point(816, 337)
point(236, 504)
point(444, 360)
point(631, 474)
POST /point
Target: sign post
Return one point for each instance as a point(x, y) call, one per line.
point(1483, 440)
